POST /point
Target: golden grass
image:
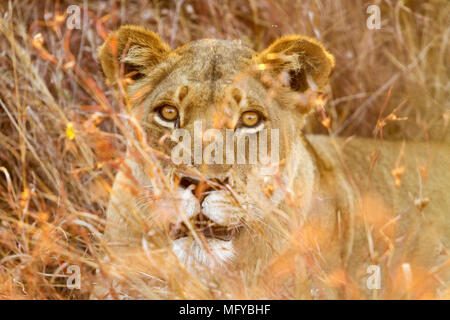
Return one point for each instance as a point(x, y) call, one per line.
point(62, 133)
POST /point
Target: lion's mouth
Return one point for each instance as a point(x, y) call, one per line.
point(205, 227)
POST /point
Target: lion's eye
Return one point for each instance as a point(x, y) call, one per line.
point(250, 118)
point(168, 113)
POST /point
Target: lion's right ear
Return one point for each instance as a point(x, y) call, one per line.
point(136, 47)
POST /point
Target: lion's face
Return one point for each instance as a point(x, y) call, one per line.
point(202, 104)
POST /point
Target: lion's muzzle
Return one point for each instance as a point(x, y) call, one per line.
point(218, 217)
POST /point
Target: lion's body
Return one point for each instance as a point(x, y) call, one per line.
point(367, 202)
point(394, 227)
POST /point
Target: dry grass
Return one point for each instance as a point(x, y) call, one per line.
point(61, 130)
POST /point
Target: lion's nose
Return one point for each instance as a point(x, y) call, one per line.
point(200, 188)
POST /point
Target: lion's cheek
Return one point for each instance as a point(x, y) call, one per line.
point(219, 207)
point(173, 209)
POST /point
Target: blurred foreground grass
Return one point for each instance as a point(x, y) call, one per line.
point(61, 130)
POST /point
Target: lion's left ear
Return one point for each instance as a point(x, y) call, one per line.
point(305, 60)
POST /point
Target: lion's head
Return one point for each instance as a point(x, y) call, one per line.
point(194, 103)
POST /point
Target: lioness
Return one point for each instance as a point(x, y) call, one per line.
point(348, 206)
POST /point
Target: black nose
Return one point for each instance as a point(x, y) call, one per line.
point(186, 182)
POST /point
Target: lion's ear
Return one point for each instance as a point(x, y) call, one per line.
point(304, 60)
point(136, 47)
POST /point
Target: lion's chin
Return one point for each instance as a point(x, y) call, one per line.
point(212, 253)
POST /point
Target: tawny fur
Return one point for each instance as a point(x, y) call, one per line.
point(346, 185)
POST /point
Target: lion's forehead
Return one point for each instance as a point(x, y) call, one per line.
point(211, 60)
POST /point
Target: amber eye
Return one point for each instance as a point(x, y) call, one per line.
point(250, 118)
point(168, 113)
